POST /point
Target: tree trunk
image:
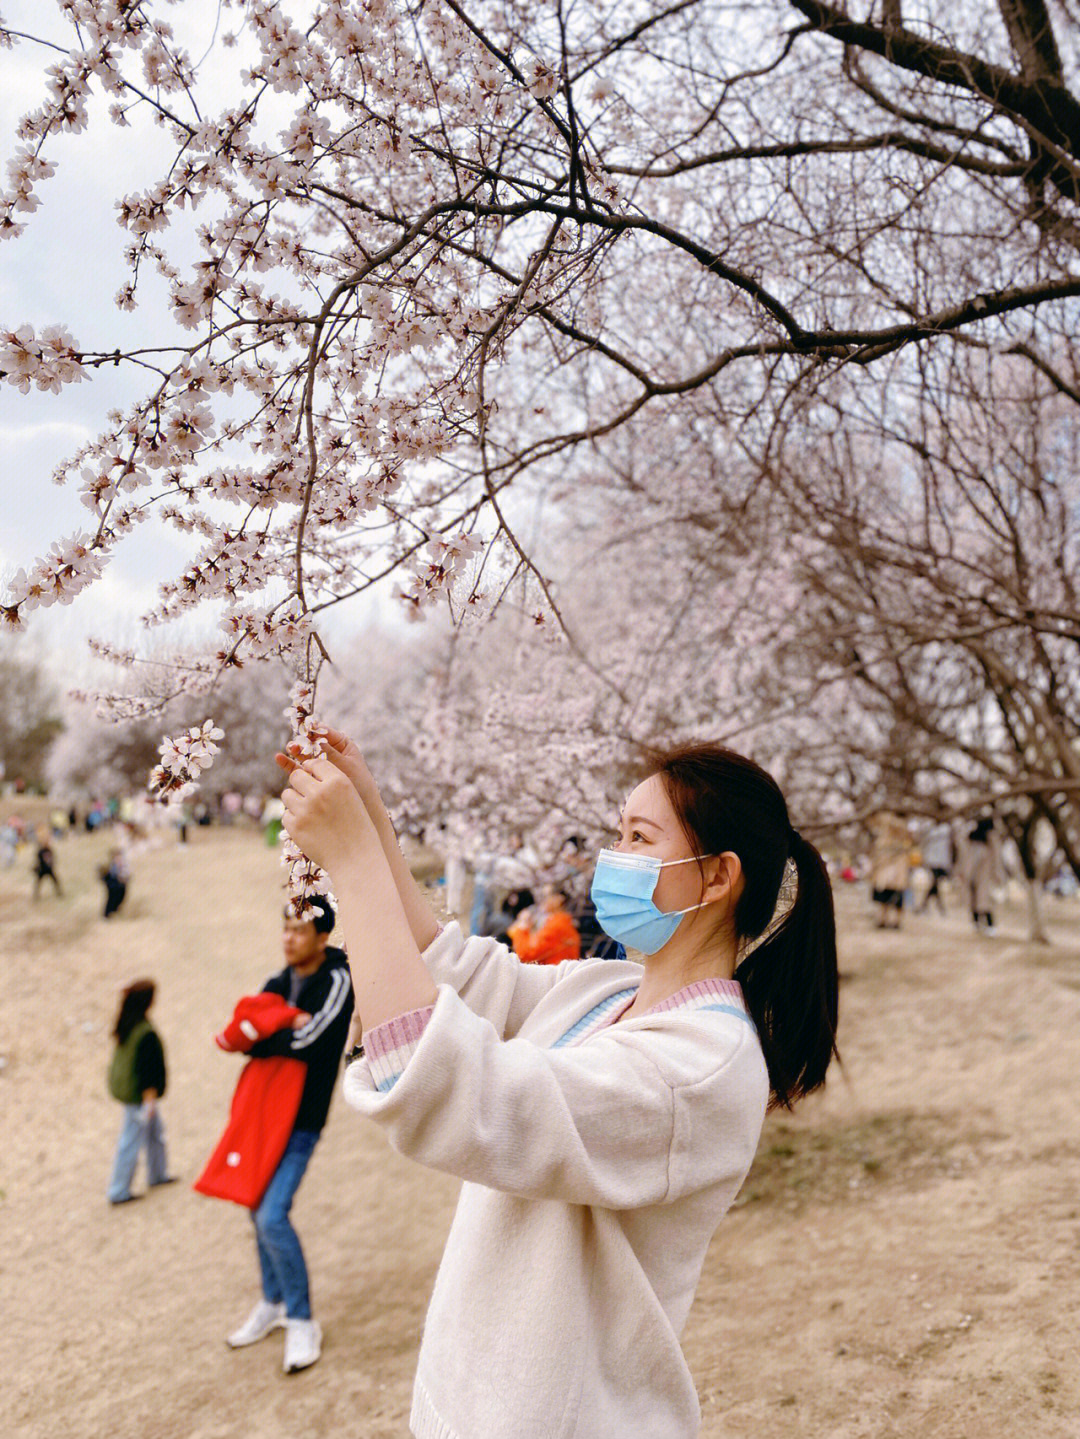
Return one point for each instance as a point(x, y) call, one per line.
point(1036, 925)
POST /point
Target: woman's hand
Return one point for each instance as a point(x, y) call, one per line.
point(347, 756)
point(324, 813)
point(341, 752)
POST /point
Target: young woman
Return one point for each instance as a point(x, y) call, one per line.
point(603, 1114)
point(137, 1080)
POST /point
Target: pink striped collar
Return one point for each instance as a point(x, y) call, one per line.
point(692, 996)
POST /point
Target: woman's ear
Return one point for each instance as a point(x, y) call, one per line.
point(727, 880)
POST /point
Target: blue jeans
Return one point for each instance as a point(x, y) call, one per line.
point(281, 1260)
point(137, 1132)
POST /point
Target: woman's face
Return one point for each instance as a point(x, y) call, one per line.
point(649, 826)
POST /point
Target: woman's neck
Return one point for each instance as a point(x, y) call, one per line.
point(684, 960)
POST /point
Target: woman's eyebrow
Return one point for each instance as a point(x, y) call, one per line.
point(640, 819)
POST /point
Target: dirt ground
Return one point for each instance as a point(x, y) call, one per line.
point(903, 1260)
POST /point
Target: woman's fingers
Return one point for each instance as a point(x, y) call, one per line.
point(305, 778)
point(334, 740)
point(335, 758)
point(300, 782)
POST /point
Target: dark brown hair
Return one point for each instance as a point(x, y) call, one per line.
point(135, 1000)
point(725, 802)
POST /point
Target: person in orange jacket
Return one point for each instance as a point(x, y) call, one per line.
point(555, 940)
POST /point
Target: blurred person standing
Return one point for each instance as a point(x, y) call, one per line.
point(45, 862)
point(981, 870)
point(9, 844)
point(554, 939)
point(514, 903)
point(890, 866)
point(937, 856)
point(115, 876)
point(137, 1080)
point(270, 819)
point(480, 908)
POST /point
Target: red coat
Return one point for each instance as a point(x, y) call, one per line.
point(263, 1109)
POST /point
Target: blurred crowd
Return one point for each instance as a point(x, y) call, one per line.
point(132, 822)
point(543, 909)
point(915, 868)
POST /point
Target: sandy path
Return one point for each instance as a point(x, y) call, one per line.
point(903, 1260)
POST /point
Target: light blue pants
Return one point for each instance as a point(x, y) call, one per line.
point(281, 1260)
point(138, 1131)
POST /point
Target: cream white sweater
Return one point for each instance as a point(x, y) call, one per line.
point(598, 1158)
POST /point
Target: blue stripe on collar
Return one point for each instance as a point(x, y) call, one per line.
point(598, 1012)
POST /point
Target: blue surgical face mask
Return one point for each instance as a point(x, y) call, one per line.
point(622, 890)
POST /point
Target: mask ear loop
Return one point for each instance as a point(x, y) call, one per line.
point(693, 859)
point(703, 905)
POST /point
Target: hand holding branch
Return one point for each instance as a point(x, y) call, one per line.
point(324, 813)
point(345, 754)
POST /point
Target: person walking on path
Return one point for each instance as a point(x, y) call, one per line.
point(890, 866)
point(602, 1114)
point(937, 856)
point(115, 877)
point(316, 980)
point(982, 870)
point(45, 862)
point(137, 1079)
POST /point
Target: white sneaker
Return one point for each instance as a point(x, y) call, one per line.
point(303, 1344)
point(262, 1320)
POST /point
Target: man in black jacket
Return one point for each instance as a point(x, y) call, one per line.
point(316, 980)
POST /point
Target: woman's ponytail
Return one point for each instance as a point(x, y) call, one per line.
point(790, 983)
point(726, 802)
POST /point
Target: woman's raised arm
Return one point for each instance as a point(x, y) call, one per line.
point(326, 816)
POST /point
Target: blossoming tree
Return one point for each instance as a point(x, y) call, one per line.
point(450, 250)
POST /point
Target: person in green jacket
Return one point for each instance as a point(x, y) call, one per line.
point(137, 1080)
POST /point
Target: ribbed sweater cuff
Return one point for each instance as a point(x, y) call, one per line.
point(389, 1046)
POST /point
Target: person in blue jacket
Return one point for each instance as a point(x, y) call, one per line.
point(316, 980)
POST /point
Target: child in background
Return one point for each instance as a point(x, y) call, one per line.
point(115, 876)
point(137, 1079)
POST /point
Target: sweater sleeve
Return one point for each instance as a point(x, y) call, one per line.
point(389, 1046)
point(638, 1115)
point(491, 980)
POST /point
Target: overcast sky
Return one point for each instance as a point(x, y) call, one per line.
point(66, 269)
